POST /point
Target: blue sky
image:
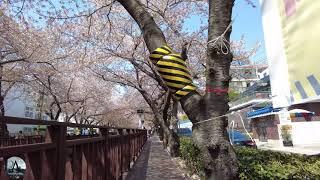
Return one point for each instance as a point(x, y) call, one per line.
point(247, 23)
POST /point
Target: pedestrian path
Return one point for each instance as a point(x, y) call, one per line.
point(154, 163)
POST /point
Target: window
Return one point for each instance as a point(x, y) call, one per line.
point(44, 117)
point(37, 113)
point(247, 71)
point(27, 129)
point(28, 112)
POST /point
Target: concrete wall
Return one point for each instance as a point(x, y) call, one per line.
point(306, 133)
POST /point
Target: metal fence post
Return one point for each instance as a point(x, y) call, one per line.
point(105, 134)
point(58, 136)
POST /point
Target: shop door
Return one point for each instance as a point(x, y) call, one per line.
point(262, 131)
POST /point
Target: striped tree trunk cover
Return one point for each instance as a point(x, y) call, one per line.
point(173, 70)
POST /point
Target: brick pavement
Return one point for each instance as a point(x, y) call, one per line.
point(154, 163)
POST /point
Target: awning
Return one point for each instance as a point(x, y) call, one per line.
point(300, 113)
point(248, 103)
point(266, 111)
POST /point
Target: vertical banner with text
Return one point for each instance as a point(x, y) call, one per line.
point(292, 32)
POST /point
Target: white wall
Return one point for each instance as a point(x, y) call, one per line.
point(186, 125)
point(278, 67)
point(306, 133)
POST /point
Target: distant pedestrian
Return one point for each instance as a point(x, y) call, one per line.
point(86, 132)
point(77, 132)
point(20, 135)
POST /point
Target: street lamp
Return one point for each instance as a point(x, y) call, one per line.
point(140, 112)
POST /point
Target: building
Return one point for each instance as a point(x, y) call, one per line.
point(244, 76)
point(255, 112)
point(19, 103)
point(267, 124)
point(294, 75)
point(253, 97)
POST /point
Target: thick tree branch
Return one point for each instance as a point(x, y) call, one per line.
point(13, 61)
point(152, 34)
point(154, 38)
point(166, 107)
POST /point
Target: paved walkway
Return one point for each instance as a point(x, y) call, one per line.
point(154, 163)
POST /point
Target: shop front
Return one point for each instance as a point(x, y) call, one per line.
point(279, 127)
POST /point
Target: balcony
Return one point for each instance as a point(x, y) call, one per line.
point(246, 99)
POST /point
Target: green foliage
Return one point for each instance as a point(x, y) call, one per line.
point(261, 164)
point(233, 95)
point(184, 118)
point(191, 155)
point(258, 164)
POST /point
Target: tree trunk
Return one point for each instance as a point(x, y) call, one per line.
point(165, 140)
point(173, 144)
point(170, 139)
point(160, 133)
point(220, 161)
point(210, 136)
point(3, 126)
point(2, 110)
point(223, 164)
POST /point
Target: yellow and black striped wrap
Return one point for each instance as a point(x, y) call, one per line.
point(173, 70)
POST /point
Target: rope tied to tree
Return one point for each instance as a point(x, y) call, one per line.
point(222, 41)
point(227, 114)
point(173, 70)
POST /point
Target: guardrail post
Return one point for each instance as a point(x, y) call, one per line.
point(128, 148)
point(57, 135)
point(106, 153)
point(120, 151)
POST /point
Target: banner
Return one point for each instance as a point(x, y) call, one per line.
point(292, 32)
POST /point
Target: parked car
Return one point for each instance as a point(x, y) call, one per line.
point(240, 139)
point(237, 138)
point(70, 131)
point(184, 132)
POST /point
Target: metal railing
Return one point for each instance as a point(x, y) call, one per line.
point(106, 156)
point(13, 141)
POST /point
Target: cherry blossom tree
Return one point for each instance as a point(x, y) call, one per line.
point(36, 60)
point(13, 59)
point(210, 136)
point(101, 36)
